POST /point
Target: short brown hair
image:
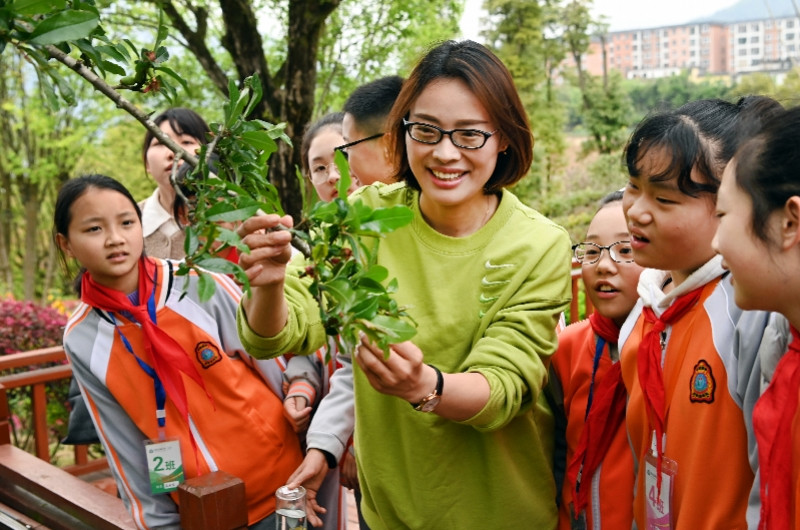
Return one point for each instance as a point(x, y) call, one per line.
point(491, 82)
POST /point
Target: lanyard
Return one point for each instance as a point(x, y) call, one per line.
point(598, 352)
point(161, 395)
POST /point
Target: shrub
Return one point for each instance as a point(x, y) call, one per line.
point(26, 326)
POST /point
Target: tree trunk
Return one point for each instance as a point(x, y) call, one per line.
point(288, 92)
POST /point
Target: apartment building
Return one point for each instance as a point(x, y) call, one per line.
point(708, 48)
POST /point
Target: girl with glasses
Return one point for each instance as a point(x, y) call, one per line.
point(598, 487)
point(316, 155)
point(452, 428)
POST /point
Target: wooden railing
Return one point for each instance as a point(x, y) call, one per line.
point(574, 306)
point(38, 378)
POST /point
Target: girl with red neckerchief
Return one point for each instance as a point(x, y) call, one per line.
point(759, 239)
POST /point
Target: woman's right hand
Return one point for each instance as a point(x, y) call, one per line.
point(270, 248)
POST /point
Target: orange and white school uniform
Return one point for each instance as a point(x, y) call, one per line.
point(229, 416)
point(587, 352)
point(693, 413)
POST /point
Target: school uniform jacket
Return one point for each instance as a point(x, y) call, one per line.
point(712, 380)
point(240, 430)
point(611, 493)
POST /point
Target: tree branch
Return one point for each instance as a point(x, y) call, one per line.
point(196, 42)
point(107, 90)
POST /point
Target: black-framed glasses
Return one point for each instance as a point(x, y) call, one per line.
point(431, 134)
point(590, 253)
point(344, 147)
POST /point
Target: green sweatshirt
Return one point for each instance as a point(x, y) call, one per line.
point(487, 303)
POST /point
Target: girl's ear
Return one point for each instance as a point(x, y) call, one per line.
point(790, 223)
point(63, 244)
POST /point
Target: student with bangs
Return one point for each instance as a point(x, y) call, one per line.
point(689, 355)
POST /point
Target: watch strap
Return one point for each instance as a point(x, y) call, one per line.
point(437, 392)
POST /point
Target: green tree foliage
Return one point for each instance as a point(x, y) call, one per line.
point(525, 36)
point(308, 54)
point(607, 115)
point(39, 149)
point(370, 39)
point(647, 95)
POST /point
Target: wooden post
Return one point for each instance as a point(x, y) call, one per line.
point(214, 501)
point(5, 414)
point(40, 434)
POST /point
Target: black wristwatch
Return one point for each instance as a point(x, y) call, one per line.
point(430, 401)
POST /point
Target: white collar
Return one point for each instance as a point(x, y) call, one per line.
point(651, 284)
point(154, 215)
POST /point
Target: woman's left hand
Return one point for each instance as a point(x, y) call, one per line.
point(402, 374)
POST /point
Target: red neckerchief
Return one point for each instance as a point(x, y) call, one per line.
point(772, 422)
point(604, 417)
point(651, 377)
point(168, 357)
point(604, 327)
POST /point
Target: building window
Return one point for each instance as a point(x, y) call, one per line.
point(768, 24)
point(755, 27)
point(768, 37)
point(755, 51)
point(743, 51)
point(742, 40)
point(789, 24)
point(789, 36)
point(635, 47)
point(704, 29)
point(742, 28)
point(790, 48)
point(692, 53)
point(754, 39)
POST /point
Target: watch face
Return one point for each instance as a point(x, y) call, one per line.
point(429, 405)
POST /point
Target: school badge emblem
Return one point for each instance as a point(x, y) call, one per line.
point(207, 354)
point(702, 385)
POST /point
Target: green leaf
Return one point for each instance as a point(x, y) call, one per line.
point(377, 273)
point(396, 329)
point(113, 52)
point(385, 220)
point(366, 308)
point(174, 75)
point(205, 286)
point(343, 185)
point(218, 265)
point(114, 68)
point(231, 216)
point(191, 243)
point(64, 26)
point(254, 82)
point(341, 291)
point(38, 7)
point(260, 140)
point(162, 54)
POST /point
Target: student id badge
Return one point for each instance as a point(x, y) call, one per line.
point(659, 504)
point(164, 465)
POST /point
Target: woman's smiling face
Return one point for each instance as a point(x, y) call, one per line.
point(452, 176)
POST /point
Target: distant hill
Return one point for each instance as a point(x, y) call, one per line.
point(752, 10)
